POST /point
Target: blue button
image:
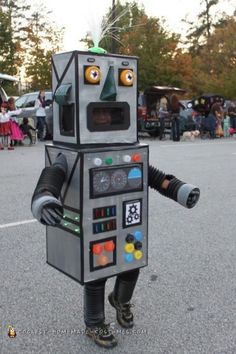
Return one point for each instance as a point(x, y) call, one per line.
point(138, 235)
point(129, 257)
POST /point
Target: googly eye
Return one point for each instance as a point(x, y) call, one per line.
point(92, 75)
point(126, 77)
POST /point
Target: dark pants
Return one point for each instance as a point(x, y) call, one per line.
point(233, 122)
point(162, 128)
point(175, 129)
point(40, 125)
point(94, 314)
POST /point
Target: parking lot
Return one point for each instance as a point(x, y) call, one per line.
point(185, 300)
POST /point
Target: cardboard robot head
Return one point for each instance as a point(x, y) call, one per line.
point(95, 99)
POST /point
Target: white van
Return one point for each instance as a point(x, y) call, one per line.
point(5, 77)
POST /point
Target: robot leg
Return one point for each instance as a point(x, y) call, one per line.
point(121, 295)
point(94, 315)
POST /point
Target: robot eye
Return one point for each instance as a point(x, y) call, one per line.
point(126, 77)
point(92, 75)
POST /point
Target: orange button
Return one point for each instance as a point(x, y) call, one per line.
point(97, 248)
point(109, 246)
point(102, 260)
point(136, 157)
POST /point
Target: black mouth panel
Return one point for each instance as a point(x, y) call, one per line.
point(108, 116)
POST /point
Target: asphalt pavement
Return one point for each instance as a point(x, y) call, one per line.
point(185, 300)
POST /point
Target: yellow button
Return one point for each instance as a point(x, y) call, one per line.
point(129, 247)
point(138, 254)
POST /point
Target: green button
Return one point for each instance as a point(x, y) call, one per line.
point(108, 160)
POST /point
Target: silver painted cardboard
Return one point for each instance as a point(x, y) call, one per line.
point(69, 250)
point(81, 93)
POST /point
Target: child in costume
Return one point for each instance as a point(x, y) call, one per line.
point(5, 127)
point(26, 129)
point(226, 124)
point(93, 193)
point(16, 133)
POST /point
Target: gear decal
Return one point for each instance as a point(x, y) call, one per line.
point(132, 213)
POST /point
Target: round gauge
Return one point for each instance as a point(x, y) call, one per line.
point(119, 179)
point(135, 177)
point(101, 182)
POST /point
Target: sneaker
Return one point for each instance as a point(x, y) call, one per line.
point(102, 335)
point(124, 315)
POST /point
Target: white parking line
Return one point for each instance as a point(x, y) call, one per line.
point(185, 144)
point(3, 226)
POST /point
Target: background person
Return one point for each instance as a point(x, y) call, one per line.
point(226, 125)
point(162, 114)
point(232, 115)
point(40, 104)
point(175, 107)
point(26, 129)
point(5, 127)
point(16, 133)
point(210, 122)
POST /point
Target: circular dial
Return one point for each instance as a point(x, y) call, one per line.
point(119, 179)
point(101, 182)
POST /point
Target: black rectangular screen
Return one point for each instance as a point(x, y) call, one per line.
point(108, 116)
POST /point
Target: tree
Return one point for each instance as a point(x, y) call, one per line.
point(27, 41)
point(199, 32)
point(13, 15)
point(145, 37)
point(43, 40)
point(6, 42)
point(220, 52)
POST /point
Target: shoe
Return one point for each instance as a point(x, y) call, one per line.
point(123, 314)
point(10, 148)
point(102, 335)
point(1, 148)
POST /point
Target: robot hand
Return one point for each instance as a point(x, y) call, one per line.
point(47, 209)
point(171, 187)
point(188, 195)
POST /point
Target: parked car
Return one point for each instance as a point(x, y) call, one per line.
point(5, 77)
point(27, 101)
point(203, 103)
point(147, 103)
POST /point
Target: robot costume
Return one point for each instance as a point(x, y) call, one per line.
point(93, 193)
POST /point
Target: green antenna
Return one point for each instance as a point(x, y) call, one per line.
point(97, 50)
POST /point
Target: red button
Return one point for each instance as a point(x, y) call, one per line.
point(97, 248)
point(109, 246)
point(136, 158)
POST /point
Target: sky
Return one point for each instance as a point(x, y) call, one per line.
point(79, 17)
